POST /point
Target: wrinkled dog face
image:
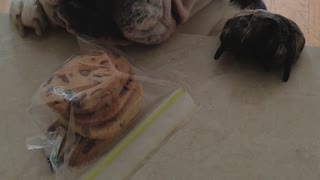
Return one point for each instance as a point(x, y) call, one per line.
point(142, 21)
point(137, 20)
point(88, 17)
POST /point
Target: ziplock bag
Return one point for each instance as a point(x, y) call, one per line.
point(101, 116)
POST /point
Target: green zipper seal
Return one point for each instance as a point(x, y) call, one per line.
point(127, 141)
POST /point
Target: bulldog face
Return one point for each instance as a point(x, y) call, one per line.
point(143, 21)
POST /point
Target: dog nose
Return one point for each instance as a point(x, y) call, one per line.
point(139, 15)
point(145, 15)
point(145, 21)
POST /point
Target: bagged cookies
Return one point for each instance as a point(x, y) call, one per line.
point(94, 106)
point(100, 90)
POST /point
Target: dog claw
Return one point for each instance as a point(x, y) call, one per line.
point(37, 27)
point(20, 26)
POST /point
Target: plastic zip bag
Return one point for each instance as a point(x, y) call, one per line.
point(143, 141)
point(85, 135)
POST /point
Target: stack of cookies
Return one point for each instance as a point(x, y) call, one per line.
point(97, 97)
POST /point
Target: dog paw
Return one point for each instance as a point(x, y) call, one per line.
point(28, 14)
point(50, 8)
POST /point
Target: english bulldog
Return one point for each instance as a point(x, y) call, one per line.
point(140, 21)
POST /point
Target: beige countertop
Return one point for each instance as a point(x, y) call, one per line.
point(250, 124)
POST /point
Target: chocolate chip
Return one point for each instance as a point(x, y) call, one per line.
point(117, 66)
point(56, 102)
point(84, 72)
point(93, 59)
point(87, 148)
point(63, 78)
point(98, 75)
point(124, 91)
point(121, 125)
point(104, 62)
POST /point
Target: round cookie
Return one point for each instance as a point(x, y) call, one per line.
point(107, 112)
point(86, 82)
point(85, 150)
point(111, 128)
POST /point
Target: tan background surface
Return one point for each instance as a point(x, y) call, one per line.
point(250, 126)
point(4, 5)
point(305, 12)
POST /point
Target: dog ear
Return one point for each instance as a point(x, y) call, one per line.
point(219, 52)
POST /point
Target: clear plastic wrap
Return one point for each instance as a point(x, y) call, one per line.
point(98, 107)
